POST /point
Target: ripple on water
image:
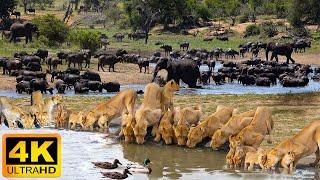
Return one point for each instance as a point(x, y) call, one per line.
point(169, 162)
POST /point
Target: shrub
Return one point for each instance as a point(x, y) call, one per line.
point(203, 12)
point(86, 39)
point(252, 30)
point(269, 29)
point(55, 30)
point(244, 18)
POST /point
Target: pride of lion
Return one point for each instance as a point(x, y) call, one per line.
point(157, 117)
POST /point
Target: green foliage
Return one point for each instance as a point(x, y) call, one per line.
point(6, 8)
point(202, 11)
point(87, 39)
point(244, 18)
point(252, 30)
point(269, 29)
point(114, 14)
point(52, 28)
point(303, 12)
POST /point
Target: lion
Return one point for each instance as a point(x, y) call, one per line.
point(184, 119)
point(240, 152)
point(156, 97)
point(13, 114)
point(45, 113)
point(37, 104)
point(112, 108)
point(36, 98)
point(303, 144)
point(167, 95)
point(254, 158)
point(127, 124)
point(152, 96)
point(234, 125)
point(288, 160)
point(255, 132)
point(62, 117)
point(208, 126)
point(190, 114)
point(229, 157)
point(165, 129)
point(76, 118)
point(146, 118)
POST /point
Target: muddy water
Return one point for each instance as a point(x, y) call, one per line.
point(169, 162)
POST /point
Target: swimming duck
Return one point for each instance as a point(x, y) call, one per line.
point(117, 175)
point(107, 165)
point(145, 168)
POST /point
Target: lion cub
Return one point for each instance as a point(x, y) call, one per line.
point(165, 129)
point(127, 125)
point(76, 118)
point(254, 158)
point(288, 160)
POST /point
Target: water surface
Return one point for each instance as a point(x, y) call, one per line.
point(169, 162)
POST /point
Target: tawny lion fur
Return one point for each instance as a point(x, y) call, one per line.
point(234, 125)
point(112, 108)
point(305, 143)
point(209, 125)
point(255, 132)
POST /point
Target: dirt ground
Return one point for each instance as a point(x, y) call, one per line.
point(124, 74)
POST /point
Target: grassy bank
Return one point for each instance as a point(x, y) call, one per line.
point(291, 111)
point(7, 49)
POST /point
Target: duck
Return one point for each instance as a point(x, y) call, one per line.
point(107, 165)
point(145, 168)
point(116, 175)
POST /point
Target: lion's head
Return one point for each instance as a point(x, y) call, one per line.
point(181, 133)
point(27, 120)
point(56, 99)
point(195, 135)
point(218, 139)
point(140, 131)
point(127, 127)
point(172, 85)
point(272, 159)
point(166, 127)
point(288, 158)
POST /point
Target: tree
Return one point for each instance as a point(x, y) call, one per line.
point(254, 4)
point(147, 16)
point(232, 10)
point(142, 16)
point(6, 8)
point(114, 14)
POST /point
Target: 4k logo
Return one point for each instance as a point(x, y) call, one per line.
point(31, 155)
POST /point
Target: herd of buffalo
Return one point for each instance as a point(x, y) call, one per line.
point(179, 65)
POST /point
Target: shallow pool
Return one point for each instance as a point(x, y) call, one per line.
point(169, 162)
